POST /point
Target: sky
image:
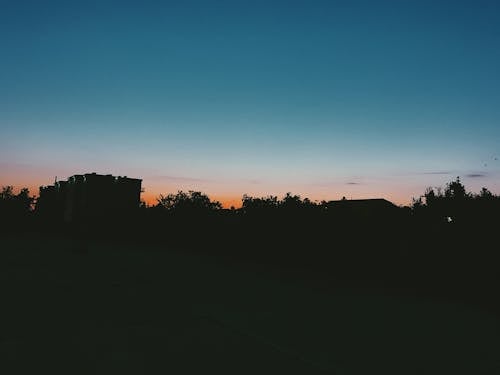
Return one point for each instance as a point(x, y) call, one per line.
point(325, 99)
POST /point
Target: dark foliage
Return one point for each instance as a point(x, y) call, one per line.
point(443, 246)
point(15, 209)
point(455, 205)
point(192, 202)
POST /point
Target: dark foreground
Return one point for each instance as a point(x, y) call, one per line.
point(126, 309)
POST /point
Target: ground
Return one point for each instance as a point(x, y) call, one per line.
point(128, 309)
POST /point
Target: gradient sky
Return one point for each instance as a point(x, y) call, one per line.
point(321, 98)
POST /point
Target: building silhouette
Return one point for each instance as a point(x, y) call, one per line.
point(363, 208)
point(89, 197)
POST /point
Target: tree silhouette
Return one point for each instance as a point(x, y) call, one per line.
point(22, 202)
point(455, 204)
point(14, 207)
point(251, 204)
point(455, 189)
point(7, 193)
point(190, 201)
point(485, 194)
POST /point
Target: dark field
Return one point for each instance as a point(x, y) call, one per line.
point(101, 309)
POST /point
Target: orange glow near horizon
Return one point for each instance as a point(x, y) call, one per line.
point(398, 191)
point(229, 200)
point(232, 200)
point(226, 201)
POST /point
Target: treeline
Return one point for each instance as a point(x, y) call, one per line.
point(174, 215)
point(16, 210)
point(455, 204)
point(444, 245)
point(451, 204)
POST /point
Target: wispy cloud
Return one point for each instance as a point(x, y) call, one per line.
point(476, 175)
point(253, 182)
point(338, 182)
point(435, 173)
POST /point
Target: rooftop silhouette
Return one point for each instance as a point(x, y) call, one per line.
point(89, 196)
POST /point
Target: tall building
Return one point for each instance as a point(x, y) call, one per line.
point(90, 197)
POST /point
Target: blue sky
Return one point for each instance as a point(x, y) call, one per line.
point(321, 98)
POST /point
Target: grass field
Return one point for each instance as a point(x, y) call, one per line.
point(129, 310)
